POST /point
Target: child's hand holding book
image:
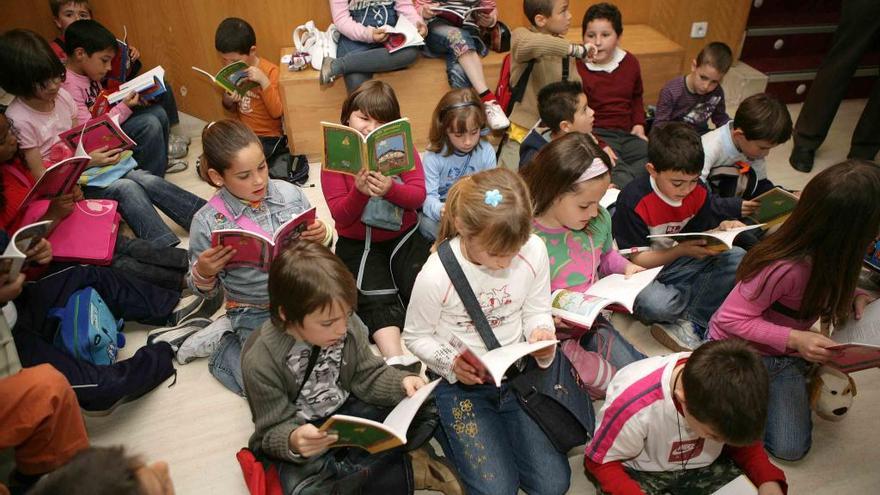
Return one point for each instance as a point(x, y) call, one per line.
point(308, 441)
point(316, 232)
point(538, 335)
point(379, 184)
point(861, 300)
point(102, 157)
point(412, 383)
point(749, 207)
point(41, 253)
point(210, 263)
point(811, 345)
point(694, 249)
point(258, 76)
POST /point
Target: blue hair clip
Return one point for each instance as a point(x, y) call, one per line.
point(493, 198)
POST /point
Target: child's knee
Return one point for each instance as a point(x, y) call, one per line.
point(48, 384)
point(789, 449)
point(456, 76)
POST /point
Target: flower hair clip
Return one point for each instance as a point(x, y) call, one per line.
point(493, 198)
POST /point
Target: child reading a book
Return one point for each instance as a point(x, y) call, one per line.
point(261, 108)
point(462, 46)
point(672, 199)
point(311, 360)
point(42, 110)
point(360, 51)
point(90, 47)
point(806, 270)
point(495, 445)
point(543, 48)
point(456, 149)
point(566, 180)
point(735, 166)
point(697, 97)
point(613, 84)
point(385, 262)
point(696, 425)
point(563, 108)
point(247, 200)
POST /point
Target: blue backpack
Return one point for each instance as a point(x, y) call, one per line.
point(87, 329)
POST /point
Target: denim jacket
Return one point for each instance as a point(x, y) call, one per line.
point(244, 285)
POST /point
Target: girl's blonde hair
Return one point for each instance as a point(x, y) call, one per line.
point(221, 141)
point(456, 111)
point(492, 206)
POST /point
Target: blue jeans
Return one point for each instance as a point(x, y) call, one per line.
point(148, 126)
point(137, 192)
point(360, 60)
point(225, 363)
point(453, 42)
point(428, 227)
point(495, 446)
point(689, 288)
point(607, 342)
point(789, 423)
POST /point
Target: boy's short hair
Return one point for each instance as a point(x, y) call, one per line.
point(94, 471)
point(716, 54)
point(676, 146)
point(27, 61)
point(305, 278)
point(534, 7)
point(557, 102)
point(763, 117)
point(89, 35)
point(56, 5)
point(234, 35)
point(726, 387)
point(603, 10)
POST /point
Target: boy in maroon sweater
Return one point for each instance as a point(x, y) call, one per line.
point(613, 84)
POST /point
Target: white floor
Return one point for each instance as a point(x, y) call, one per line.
point(197, 426)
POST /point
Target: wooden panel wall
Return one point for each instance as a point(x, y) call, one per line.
point(180, 33)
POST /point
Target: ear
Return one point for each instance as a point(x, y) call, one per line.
point(651, 170)
point(565, 126)
point(540, 20)
point(80, 53)
point(253, 51)
point(693, 65)
point(57, 23)
point(216, 178)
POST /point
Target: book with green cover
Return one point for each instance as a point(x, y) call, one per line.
point(233, 78)
point(776, 205)
point(388, 149)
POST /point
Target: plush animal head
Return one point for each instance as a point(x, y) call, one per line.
point(831, 393)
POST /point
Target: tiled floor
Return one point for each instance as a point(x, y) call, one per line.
point(197, 426)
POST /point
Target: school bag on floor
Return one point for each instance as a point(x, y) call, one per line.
point(87, 330)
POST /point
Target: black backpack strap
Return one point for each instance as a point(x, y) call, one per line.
point(565, 68)
point(519, 90)
point(313, 360)
point(466, 293)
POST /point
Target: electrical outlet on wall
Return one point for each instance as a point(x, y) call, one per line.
point(699, 29)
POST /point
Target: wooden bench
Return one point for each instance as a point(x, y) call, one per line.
point(420, 86)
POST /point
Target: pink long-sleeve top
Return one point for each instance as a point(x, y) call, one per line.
point(347, 204)
point(354, 30)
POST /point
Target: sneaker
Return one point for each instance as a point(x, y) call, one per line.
point(679, 336)
point(495, 116)
point(176, 335)
point(176, 165)
point(199, 307)
point(203, 342)
point(431, 472)
point(327, 76)
point(180, 137)
point(177, 148)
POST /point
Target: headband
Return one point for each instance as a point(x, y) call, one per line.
point(461, 104)
point(595, 169)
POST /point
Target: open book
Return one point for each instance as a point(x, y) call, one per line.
point(233, 78)
point(121, 63)
point(716, 240)
point(609, 198)
point(492, 365)
point(59, 179)
point(256, 250)
point(388, 149)
point(402, 35)
point(581, 308)
point(458, 16)
point(859, 347)
point(22, 241)
point(776, 205)
point(738, 486)
point(373, 436)
point(98, 132)
point(149, 85)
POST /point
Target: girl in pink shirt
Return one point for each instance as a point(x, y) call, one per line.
point(384, 262)
point(806, 270)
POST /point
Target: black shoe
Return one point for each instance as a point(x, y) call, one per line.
point(197, 308)
point(801, 159)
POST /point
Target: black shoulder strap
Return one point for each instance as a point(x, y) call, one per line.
point(565, 68)
point(519, 90)
point(466, 293)
point(313, 359)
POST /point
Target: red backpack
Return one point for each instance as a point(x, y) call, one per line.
point(506, 95)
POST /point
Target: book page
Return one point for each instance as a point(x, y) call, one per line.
point(860, 342)
point(139, 84)
point(343, 149)
point(402, 35)
point(252, 250)
point(390, 148)
point(623, 290)
point(58, 179)
point(292, 229)
point(576, 308)
point(234, 78)
point(609, 198)
point(361, 432)
point(399, 419)
point(775, 204)
point(738, 486)
point(497, 361)
point(24, 239)
point(713, 238)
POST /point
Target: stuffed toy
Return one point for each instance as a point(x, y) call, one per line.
point(831, 393)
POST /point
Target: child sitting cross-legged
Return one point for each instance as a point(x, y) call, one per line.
point(685, 423)
point(697, 97)
point(247, 199)
point(566, 179)
point(313, 360)
point(456, 149)
point(672, 199)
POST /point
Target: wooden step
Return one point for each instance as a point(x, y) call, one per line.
point(420, 86)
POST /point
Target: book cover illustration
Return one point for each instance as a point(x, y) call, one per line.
point(255, 249)
point(872, 259)
point(776, 205)
point(121, 63)
point(99, 132)
point(59, 179)
point(233, 78)
point(387, 150)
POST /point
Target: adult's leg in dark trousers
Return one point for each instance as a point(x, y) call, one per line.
point(858, 29)
point(866, 137)
point(126, 296)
